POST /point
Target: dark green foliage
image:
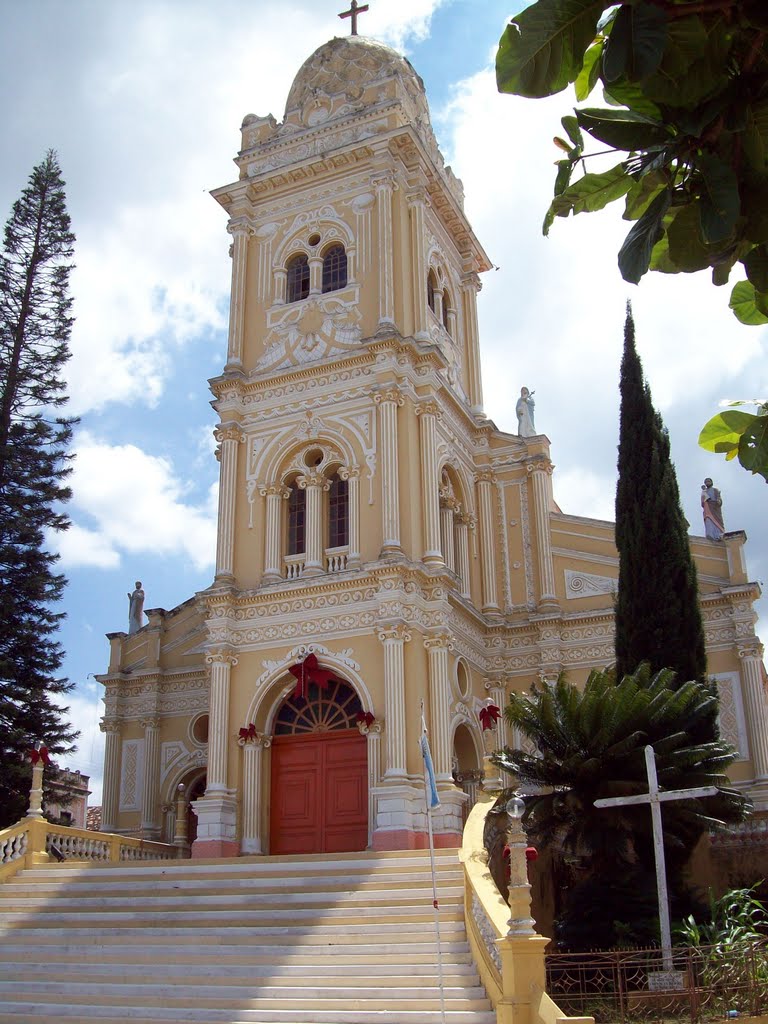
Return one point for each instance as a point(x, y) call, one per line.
point(590, 744)
point(35, 325)
point(603, 913)
point(657, 608)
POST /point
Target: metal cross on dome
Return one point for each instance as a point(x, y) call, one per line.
point(352, 13)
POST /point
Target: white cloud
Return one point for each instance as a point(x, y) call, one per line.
point(85, 711)
point(133, 502)
point(581, 492)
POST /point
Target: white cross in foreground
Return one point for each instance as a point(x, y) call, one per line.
point(654, 797)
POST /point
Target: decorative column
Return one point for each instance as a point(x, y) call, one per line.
point(315, 275)
point(447, 513)
point(470, 286)
point(281, 285)
point(485, 485)
point(430, 495)
point(110, 801)
point(388, 402)
point(273, 563)
point(253, 746)
point(393, 637)
point(384, 185)
point(372, 732)
point(150, 828)
point(240, 233)
point(751, 655)
point(497, 692)
point(540, 472)
point(437, 646)
point(462, 551)
point(217, 810)
point(352, 475)
point(314, 484)
point(452, 323)
point(229, 436)
point(417, 202)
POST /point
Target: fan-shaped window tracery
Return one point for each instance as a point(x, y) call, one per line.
point(327, 710)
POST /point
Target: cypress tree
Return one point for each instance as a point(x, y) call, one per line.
point(658, 619)
point(35, 326)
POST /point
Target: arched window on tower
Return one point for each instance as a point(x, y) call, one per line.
point(338, 513)
point(334, 268)
point(431, 283)
point(446, 304)
point(297, 284)
point(297, 520)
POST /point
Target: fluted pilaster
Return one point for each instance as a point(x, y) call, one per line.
point(314, 484)
point(384, 185)
point(229, 437)
point(437, 647)
point(462, 551)
point(253, 770)
point(352, 475)
point(417, 202)
point(486, 482)
point(447, 520)
point(388, 402)
point(240, 234)
point(430, 492)
point(540, 473)
point(470, 286)
point(497, 691)
point(751, 656)
point(110, 801)
point(221, 663)
point(393, 638)
point(150, 826)
point(273, 562)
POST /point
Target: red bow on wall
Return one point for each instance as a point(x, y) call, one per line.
point(309, 671)
point(489, 716)
point(39, 755)
point(365, 716)
point(249, 733)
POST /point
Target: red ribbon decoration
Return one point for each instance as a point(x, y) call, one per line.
point(489, 716)
point(249, 733)
point(39, 755)
point(309, 671)
point(365, 716)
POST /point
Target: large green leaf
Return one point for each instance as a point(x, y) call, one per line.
point(753, 446)
point(590, 193)
point(756, 265)
point(744, 305)
point(622, 129)
point(630, 94)
point(721, 434)
point(686, 248)
point(642, 194)
point(542, 49)
point(720, 205)
point(635, 253)
point(636, 44)
point(694, 65)
point(661, 261)
point(587, 78)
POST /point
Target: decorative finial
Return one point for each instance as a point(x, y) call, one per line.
point(352, 13)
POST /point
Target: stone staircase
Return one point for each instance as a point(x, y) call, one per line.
point(343, 939)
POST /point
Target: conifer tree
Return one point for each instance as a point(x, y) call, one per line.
point(658, 619)
point(35, 326)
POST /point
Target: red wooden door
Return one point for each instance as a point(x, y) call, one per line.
point(319, 790)
point(319, 793)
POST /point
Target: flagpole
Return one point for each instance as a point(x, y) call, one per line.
point(431, 800)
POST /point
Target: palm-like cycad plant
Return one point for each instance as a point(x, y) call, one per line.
point(590, 744)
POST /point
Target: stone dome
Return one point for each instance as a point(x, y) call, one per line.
point(348, 65)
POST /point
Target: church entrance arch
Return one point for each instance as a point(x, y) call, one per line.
point(319, 784)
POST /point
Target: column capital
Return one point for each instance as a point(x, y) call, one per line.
point(313, 479)
point(417, 196)
point(485, 476)
point(265, 490)
point(428, 408)
point(393, 631)
point(348, 472)
point(258, 740)
point(111, 725)
point(228, 432)
point(220, 656)
point(383, 180)
point(389, 394)
point(152, 722)
point(468, 519)
point(751, 648)
point(239, 228)
point(436, 641)
point(448, 500)
point(541, 464)
point(471, 281)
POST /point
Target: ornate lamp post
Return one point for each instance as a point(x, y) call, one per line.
point(520, 924)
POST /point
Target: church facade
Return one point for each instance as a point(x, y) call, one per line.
point(386, 556)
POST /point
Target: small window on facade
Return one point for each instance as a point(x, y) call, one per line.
point(297, 285)
point(446, 304)
point(338, 513)
point(334, 268)
point(431, 291)
point(297, 509)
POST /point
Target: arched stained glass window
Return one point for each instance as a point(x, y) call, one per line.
point(297, 284)
point(327, 710)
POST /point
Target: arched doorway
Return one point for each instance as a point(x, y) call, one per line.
point(319, 787)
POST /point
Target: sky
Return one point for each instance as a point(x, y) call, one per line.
point(143, 103)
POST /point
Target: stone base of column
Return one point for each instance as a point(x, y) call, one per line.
point(152, 834)
point(272, 577)
point(548, 604)
point(250, 847)
point(391, 551)
point(401, 817)
point(216, 825)
point(312, 570)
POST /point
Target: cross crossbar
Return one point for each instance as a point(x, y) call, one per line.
point(352, 13)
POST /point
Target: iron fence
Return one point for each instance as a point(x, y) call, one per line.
point(707, 983)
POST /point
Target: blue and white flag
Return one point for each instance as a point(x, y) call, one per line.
point(433, 800)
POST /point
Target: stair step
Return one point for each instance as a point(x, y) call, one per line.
point(16, 1013)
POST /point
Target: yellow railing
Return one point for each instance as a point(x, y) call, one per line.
point(31, 840)
point(511, 966)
